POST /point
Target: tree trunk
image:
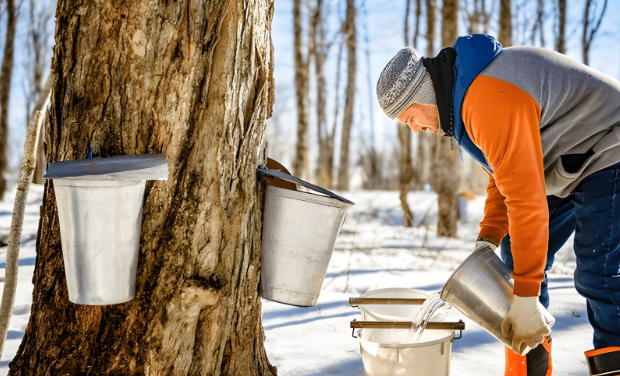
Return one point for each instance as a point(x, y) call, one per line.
point(404, 138)
point(193, 81)
point(330, 136)
point(446, 165)
point(540, 22)
point(560, 43)
point(5, 86)
point(418, 14)
point(505, 23)
point(430, 27)
point(405, 172)
point(425, 141)
point(302, 88)
point(347, 121)
point(324, 173)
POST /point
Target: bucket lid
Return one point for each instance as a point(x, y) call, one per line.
point(121, 167)
point(287, 177)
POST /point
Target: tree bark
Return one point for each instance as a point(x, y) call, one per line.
point(193, 81)
point(347, 121)
point(5, 86)
point(446, 166)
point(560, 43)
point(302, 88)
point(505, 23)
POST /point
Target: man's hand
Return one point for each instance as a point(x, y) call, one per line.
point(527, 323)
point(483, 242)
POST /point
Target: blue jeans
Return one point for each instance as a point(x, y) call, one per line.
point(592, 210)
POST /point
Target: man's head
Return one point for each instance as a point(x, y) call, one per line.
point(405, 91)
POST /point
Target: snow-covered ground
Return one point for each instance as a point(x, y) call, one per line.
point(373, 251)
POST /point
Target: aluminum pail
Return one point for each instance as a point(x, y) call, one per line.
point(299, 234)
point(481, 288)
point(100, 233)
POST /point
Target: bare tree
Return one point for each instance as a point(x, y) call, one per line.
point(416, 29)
point(539, 25)
point(478, 17)
point(561, 27)
point(371, 156)
point(301, 162)
point(320, 49)
point(350, 31)
point(330, 136)
point(197, 310)
point(5, 86)
point(505, 23)
point(445, 163)
point(404, 137)
point(591, 24)
point(422, 163)
point(431, 8)
point(38, 45)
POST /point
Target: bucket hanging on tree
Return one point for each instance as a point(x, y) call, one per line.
point(100, 212)
point(299, 234)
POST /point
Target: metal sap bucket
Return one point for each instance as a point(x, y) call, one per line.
point(481, 288)
point(299, 234)
point(100, 212)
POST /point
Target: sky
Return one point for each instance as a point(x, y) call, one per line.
point(380, 31)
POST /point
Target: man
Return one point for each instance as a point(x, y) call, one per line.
point(547, 130)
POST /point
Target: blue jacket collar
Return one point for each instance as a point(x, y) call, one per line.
point(474, 53)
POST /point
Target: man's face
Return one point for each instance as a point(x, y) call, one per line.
point(421, 117)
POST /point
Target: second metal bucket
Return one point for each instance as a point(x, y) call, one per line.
point(481, 288)
point(299, 234)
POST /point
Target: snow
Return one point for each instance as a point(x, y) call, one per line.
point(373, 251)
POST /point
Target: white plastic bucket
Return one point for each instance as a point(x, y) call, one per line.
point(384, 312)
point(383, 353)
point(387, 352)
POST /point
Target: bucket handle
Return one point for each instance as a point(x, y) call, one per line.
point(460, 326)
point(281, 175)
point(406, 325)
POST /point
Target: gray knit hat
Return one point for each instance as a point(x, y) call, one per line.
point(403, 82)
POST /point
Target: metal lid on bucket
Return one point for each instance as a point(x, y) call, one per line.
point(281, 175)
point(121, 167)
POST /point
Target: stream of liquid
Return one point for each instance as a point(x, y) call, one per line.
point(433, 308)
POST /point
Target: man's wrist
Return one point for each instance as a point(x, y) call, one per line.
point(487, 241)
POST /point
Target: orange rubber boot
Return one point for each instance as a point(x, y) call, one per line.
point(536, 363)
point(604, 361)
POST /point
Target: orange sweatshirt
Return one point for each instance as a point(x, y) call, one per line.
point(504, 122)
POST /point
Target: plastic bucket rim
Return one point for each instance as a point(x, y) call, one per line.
point(393, 289)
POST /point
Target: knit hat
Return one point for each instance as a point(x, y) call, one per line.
point(404, 81)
